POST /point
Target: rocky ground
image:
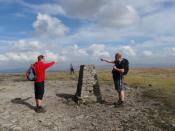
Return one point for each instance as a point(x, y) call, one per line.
point(139, 113)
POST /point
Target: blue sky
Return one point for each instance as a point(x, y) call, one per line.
point(81, 31)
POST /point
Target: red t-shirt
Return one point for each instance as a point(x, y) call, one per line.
point(40, 68)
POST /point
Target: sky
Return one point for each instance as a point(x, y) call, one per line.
point(82, 31)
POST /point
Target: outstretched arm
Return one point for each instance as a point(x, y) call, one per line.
point(108, 61)
point(47, 65)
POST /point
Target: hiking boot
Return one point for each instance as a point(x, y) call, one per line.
point(40, 109)
point(119, 103)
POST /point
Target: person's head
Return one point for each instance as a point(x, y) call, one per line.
point(118, 56)
point(40, 58)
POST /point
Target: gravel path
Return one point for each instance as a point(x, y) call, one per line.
point(17, 110)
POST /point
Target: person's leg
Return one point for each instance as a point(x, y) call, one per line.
point(40, 108)
point(116, 88)
point(38, 102)
point(119, 95)
point(120, 90)
point(36, 93)
point(119, 101)
point(122, 95)
point(121, 98)
point(40, 95)
point(39, 92)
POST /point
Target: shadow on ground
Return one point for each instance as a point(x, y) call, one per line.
point(66, 96)
point(23, 102)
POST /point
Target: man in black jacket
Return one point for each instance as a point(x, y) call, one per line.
point(117, 71)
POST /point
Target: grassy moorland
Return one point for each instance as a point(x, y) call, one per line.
point(158, 82)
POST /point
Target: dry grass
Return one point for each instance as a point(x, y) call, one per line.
point(159, 82)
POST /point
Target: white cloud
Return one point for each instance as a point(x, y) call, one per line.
point(20, 57)
point(78, 51)
point(77, 54)
point(128, 51)
point(82, 9)
point(49, 26)
point(151, 36)
point(50, 55)
point(117, 15)
point(53, 56)
point(26, 45)
point(30, 56)
point(26, 51)
point(147, 53)
point(105, 13)
point(98, 50)
point(47, 8)
point(3, 58)
point(51, 9)
point(173, 51)
point(73, 51)
point(161, 46)
point(159, 23)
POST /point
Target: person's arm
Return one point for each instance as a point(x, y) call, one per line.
point(121, 71)
point(108, 61)
point(47, 65)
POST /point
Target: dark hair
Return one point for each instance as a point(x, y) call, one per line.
point(40, 57)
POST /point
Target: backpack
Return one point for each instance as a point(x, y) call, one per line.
point(125, 64)
point(30, 74)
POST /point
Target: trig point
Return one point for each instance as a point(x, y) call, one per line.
point(88, 89)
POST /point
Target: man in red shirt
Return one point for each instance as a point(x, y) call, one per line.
point(40, 68)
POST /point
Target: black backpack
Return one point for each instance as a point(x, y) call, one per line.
point(125, 64)
point(30, 74)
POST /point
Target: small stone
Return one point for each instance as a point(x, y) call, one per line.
point(133, 109)
point(6, 126)
point(17, 128)
point(80, 117)
point(55, 128)
point(163, 122)
point(13, 121)
point(40, 121)
point(94, 124)
point(173, 125)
